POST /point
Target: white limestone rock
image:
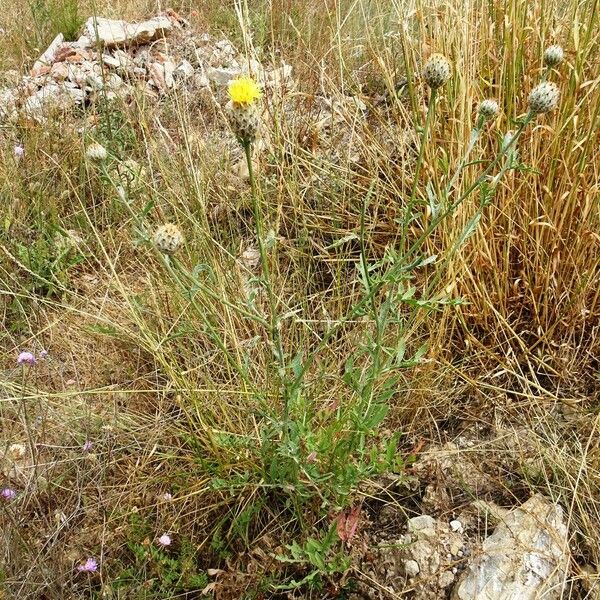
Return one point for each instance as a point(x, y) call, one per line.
point(111, 32)
point(526, 557)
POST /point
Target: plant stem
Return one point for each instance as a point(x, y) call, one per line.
point(274, 327)
point(413, 193)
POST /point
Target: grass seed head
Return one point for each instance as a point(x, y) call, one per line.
point(437, 71)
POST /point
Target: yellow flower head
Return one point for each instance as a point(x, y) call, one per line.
point(244, 91)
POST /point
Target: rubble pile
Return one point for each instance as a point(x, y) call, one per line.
point(113, 59)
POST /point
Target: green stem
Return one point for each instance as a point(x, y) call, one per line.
point(274, 327)
point(357, 308)
point(413, 193)
point(475, 133)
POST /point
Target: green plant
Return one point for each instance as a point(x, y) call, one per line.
point(48, 260)
point(313, 459)
point(52, 17)
point(323, 557)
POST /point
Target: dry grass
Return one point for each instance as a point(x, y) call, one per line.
point(139, 368)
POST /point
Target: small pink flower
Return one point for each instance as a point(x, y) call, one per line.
point(312, 457)
point(8, 494)
point(167, 496)
point(26, 358)
point(89, 566)
point(164, 540)
point(87, 446)
point(44, 354)
point(19, 152)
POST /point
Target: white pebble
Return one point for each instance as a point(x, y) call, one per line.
point(456, 526)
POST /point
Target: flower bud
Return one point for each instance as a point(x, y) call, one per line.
point(244, 120)
point(488, 109)
point(437, 71)
point(168, 238)
point(553, 56)
point(96, 152)
point(544, 97)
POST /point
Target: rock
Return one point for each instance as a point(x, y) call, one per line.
point(162, 75)
point(456, 526)
point(490, 510)
point(421, 523)
point(59, 71)
point(526, 557)
point(446, 579)
point(65, 51)
point(184, 70)
point(52, 96)
point(221, 76)
point(47, 58)
point(411, 568)
point(84, 42)
point(110, 60)
point(279, 77)
point(115, 33)
point(40, 71)
point(200, 80)
point(8, 102)
point(125, 61)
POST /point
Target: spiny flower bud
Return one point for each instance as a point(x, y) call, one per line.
point(437, 71)
point(488, 109)
point(544, 97)
point(168, 238)
point(553, 56)
point(96, 152)
point(244, 120)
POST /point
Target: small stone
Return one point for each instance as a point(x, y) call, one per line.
point(47, 58)
point(420, 523)
point(59, 71)
point(411, 568)
point(184, 70)
point(456, 526)
point(162, 75)
point(39, 71)
point(222, 77)
point(446, 579)
point(111, 61)
point(84, 42)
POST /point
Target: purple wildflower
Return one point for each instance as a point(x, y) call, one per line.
point(167, 496)
point(19, 152)
point(43, 353)
point(89, 566)
point(8, 494)
point(164, 540)
point(87, 446)
point(26, 358)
